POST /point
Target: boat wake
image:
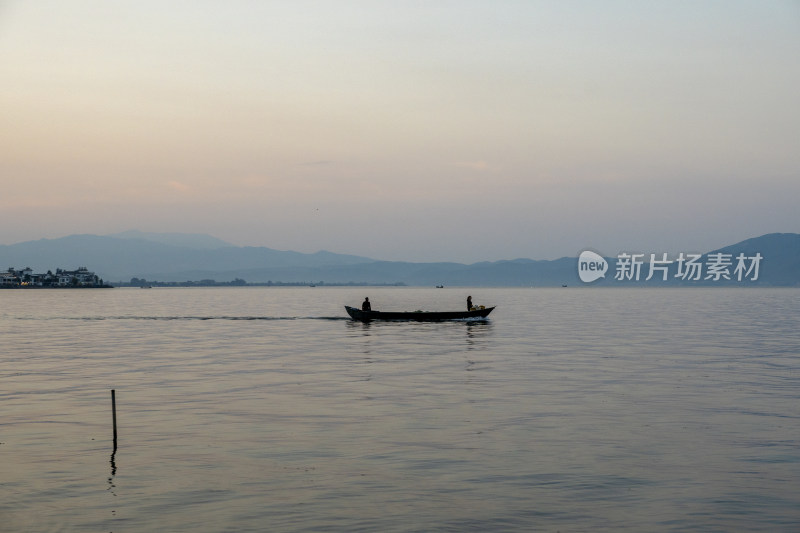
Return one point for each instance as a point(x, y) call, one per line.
point(221, 317)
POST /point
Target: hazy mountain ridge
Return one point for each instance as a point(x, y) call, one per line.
point(779, 265)
point(183, 257)
point(119, 259)
point(781, 252)
point(189, 240)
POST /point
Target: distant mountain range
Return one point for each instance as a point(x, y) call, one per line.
point(184, 257)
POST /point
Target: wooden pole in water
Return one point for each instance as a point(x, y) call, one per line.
point(114, 415)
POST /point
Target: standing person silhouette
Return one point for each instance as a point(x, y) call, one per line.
point(366, 306)
point(469, 303)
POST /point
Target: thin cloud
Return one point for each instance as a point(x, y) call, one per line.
point(177, 186)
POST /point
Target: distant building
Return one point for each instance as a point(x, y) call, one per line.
point(8, 279)
point(76, 278)
point(82, 277)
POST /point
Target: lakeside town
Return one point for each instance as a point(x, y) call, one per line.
point(26, 278)
point(84, 278)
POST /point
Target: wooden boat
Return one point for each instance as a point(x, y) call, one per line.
point(427, 316)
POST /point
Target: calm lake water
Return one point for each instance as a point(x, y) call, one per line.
point(266, 409)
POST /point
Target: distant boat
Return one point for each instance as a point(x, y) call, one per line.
point(427, 316)
point(440, 286)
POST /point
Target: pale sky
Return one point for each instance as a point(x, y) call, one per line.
point(403, 130)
